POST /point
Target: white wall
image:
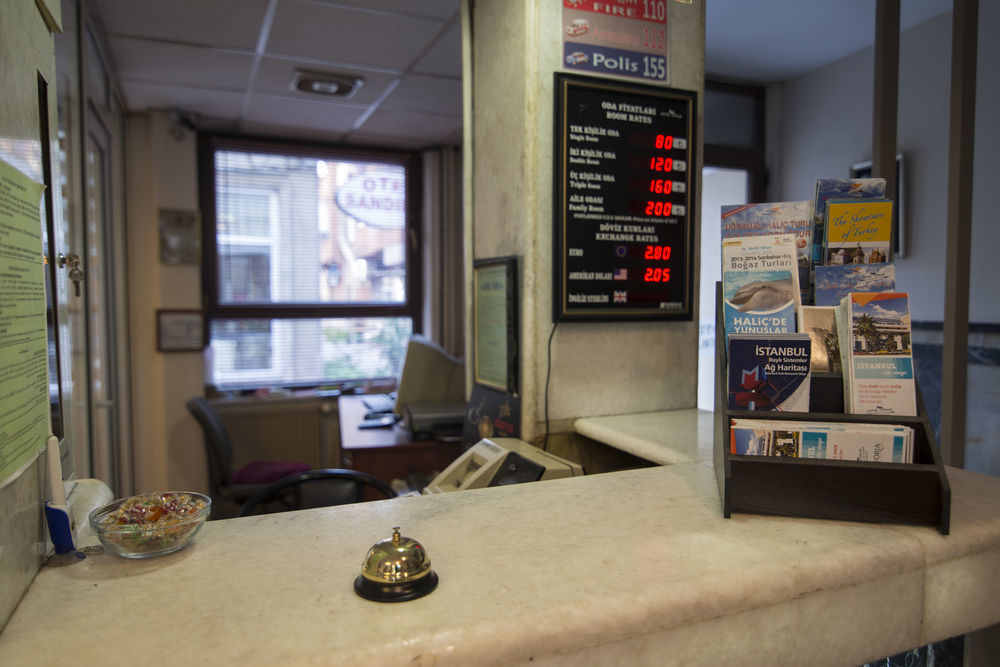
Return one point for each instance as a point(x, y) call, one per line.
point(826, 125)
point(167, 442)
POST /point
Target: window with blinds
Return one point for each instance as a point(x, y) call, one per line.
point(310, 262)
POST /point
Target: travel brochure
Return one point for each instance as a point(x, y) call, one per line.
point(820, 324)
point(868, 443)
point(787, 217)
point(857, 231)
point(875, 351)
point(838, 189)
point(760, 284)
point(769, 372)
point(807, 288)
point(834, 282)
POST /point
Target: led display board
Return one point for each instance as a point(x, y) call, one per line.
point(624, 185)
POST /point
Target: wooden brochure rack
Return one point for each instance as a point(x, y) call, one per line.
point(910, 493)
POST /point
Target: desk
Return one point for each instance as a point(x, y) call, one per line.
point(388, 453)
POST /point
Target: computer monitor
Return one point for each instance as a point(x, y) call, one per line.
point(429, 375)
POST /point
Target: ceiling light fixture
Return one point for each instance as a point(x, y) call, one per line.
point(338, 85)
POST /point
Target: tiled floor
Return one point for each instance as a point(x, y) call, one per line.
point(947, 653)
point(982, 450)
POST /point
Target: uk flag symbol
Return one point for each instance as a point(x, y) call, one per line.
point(621, 296)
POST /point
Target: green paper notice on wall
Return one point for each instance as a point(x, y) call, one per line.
point(23, 365)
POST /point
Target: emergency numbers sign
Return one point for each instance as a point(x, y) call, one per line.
point(616, 37)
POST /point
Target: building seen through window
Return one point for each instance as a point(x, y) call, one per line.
point(308, 271)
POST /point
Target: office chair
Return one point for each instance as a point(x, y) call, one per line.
point(314, 488)
point(229, 489)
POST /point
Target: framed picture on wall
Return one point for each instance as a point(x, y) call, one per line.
point(179, 331)
point(180, 236)
point(864, 170)
point(494, 324)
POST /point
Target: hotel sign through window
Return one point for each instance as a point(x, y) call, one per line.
point(310, 270)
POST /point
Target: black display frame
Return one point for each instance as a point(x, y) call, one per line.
point(507, 266)
point(658, 303)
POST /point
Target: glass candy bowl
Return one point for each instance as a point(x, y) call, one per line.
point(150, 524)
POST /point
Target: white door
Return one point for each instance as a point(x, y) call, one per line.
point(719, 187)
point(90, 138)
point(101, 363)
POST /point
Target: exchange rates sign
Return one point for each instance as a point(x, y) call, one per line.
point(624, 171)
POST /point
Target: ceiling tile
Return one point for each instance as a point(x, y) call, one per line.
point(341, 35)
point(427, 93)
point(444, 58)
point(202, 101)
point(438, 9)
point(276, 76)
point(149, 62)
point(286, 112)
point(231, 23)
point(403, 124)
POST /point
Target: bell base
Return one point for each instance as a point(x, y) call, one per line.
point(401, 592)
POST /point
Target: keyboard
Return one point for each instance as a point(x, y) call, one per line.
point(380, 403)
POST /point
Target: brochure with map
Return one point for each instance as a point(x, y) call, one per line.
point(769, 372)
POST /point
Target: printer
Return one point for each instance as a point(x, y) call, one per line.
point(498, 462)
point(436, 420)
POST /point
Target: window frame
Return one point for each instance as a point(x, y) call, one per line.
point(412, 307)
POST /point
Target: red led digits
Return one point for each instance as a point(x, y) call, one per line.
point(661, 164)
point(657, 252)
point(661, 186)
point(658, 208)
point(657, 274)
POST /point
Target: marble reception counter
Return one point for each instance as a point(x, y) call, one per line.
point(667, 437)
point(634, 567)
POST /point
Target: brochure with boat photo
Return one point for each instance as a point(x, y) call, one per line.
point(760, 284)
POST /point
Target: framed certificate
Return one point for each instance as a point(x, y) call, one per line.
point(179, 331)
point(495, 324)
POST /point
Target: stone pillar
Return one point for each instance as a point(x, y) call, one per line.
point(512, 49)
